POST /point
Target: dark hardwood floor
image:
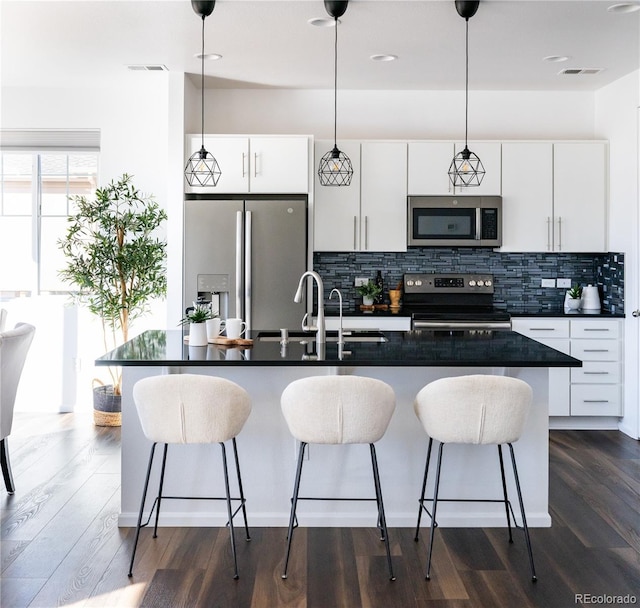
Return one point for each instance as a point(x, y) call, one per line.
point(61, 545)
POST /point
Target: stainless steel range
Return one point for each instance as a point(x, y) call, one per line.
point(452, 301)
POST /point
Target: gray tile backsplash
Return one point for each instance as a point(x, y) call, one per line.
point(517, 275)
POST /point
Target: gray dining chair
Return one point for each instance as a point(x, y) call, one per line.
point(14, 346)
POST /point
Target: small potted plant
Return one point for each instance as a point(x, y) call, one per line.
point(368, 291)
point(196, 318)
point(574, 297)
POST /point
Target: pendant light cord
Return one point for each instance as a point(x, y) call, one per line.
point(466, 85)
point(335, 87)
point(202, 85)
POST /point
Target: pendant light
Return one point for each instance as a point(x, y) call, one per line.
point(466, 168)
point(202, 168)
point(335, 167)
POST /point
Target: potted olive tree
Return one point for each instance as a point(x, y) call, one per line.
point(116, 263)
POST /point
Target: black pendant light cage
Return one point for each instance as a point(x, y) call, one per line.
point(466, 169)
point(335, 168)
point(202, 168)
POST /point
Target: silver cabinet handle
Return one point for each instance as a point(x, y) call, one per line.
point(255, 164)
point(239, 231)
point(596, 350)
point(247, 269)
point(596, 329)
point(244, 157)
point(596, 373)
point(542, 329)
point(366, 232)
point(355, 232)
point(595, 401)
point(548, 234)
point(560, 234)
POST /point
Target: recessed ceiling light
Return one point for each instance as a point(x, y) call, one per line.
point(625, 7)
point(383, 57)
point(322, 22)
point(556, 58)
point(208, 56)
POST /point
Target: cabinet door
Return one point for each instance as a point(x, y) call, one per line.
point(383, 196)
point(527, 196)
point(579, 196)
point(490, 155)
point(428, 169)
point(279, 165)
point(232, 154)
point(336, 209)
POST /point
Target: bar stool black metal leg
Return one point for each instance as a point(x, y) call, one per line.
point(229, 511)
point(534, 578)
point(144, 498)
point(424, 488)
point(160, 488)
point(294, 504)
point(381, 516)
point(504, 491)
point(242, 499)
point(6, 466)
point(435, 508)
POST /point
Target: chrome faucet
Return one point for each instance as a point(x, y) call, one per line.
point(319, 327)
point(340, 334)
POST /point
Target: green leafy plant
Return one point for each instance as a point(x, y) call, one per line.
point(369, 289)
point(115, 258)
point(199, 314)
point(575, 293)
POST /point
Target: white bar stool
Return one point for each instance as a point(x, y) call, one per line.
point(191, 408)
point(476, 409)
point(338, 410)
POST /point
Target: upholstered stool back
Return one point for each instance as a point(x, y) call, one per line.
point(190, 408)
point(338, 409)
point(478, 409)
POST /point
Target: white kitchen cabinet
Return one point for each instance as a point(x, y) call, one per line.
point(555, 334)
point(579, 196)
point(595, 389)
point(383, 197)
point(371, 213)
point(527, 196)
point(337, 208)
point(429, 162)
point(261, 165)
point(554, 196)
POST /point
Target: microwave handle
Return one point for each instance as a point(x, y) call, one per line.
point(478, 219)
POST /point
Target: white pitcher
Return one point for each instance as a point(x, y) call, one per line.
point(590, 298)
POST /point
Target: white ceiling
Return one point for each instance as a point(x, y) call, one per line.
point(268, 43)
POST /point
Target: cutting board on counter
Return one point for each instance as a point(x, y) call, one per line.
point(222, 341)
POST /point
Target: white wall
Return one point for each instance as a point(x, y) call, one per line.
point(616, 119)
point(402, 114)
point(132, 115)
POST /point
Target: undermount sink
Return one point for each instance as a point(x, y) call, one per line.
point(332, 336)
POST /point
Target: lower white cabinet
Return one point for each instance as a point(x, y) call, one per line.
point(595, 389)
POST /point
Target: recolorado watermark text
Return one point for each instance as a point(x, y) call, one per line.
point(605, 599)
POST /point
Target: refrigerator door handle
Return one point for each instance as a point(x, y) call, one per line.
point(247, 270)
point(239, 231)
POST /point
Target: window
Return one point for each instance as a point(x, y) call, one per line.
point(34, 205)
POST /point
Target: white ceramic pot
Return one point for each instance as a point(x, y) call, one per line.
point(573, 303)
point(197, 334)
point(367, 300)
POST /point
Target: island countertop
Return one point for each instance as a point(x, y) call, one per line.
point(470, 348)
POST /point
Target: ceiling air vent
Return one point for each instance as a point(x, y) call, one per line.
point(148, 68)
point(579, 71)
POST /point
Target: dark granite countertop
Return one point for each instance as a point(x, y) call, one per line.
point(472, 348)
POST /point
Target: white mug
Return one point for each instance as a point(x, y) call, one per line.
point(235, 328)
point(214, 327)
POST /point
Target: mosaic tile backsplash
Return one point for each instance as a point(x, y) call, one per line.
point(517, 275)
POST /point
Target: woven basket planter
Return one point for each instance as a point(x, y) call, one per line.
point(106, 406)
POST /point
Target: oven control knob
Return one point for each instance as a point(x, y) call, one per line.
point(472, 283)
point(480, 283)
point(409, 283)
point(418, 282)
point(488, 283)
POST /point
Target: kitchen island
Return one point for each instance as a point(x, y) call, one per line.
point(405, 360)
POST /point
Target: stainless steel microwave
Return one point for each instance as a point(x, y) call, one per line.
point(454, 221)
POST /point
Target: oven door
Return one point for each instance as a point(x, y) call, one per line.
point(443, 226)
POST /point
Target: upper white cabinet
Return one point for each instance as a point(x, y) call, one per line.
point(579, 196)
point(429, 162)
point(337, 208)
point(554, 196)
point(276, 165)
point(371, 213)
point(383, 197)
point(527, 196)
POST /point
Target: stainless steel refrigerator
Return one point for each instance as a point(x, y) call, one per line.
point(246, 258)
